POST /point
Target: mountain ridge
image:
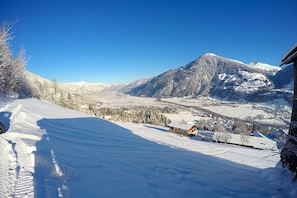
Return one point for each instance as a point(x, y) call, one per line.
point(208, 75)
point(215, 76)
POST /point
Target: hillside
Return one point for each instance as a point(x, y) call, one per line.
point(216, 76)
point(49, 151)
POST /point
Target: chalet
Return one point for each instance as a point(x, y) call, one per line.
point(182, 128)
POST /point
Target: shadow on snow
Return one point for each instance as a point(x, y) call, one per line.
point(90, 157)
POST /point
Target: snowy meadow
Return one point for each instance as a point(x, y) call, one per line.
point(49, 151)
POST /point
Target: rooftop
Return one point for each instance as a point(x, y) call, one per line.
point(290, 56)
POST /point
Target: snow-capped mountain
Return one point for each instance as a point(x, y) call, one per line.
point(132, 85)
point(284, 78)
point(84, 87)
point(216, 76)
point(91, 90)
point(208, 75)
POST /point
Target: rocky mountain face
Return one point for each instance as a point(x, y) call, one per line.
point(215, 76)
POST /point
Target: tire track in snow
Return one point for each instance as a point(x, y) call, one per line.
point(8, 169)
point(16, 168)
point(25, 183)
point(4, 182)
point(16, 154)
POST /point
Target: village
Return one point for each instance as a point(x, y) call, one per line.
point(255, 140)
point(259, 126)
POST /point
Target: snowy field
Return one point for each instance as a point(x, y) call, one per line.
point(275, 112)
point(49, 151)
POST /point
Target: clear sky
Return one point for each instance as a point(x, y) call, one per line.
point(119, 41)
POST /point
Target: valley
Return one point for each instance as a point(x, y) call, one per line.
point(208, 111)
point(211, 91)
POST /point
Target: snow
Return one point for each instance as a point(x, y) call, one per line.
point(256, 158)
point(210, 54)
point(49, 151)
point(252, 82)
point(247, 82)
point(251, 76)
point(272, 112)
point(265, 67)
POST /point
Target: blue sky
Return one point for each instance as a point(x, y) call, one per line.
point(118, 41)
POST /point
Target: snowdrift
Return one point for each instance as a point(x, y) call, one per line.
point(49, 151)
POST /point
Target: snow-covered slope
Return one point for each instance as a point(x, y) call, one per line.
point(49, 151)
point(215, 76)
point(265, 68)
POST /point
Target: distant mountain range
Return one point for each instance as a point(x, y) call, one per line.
point(208, 75)
point(220, 77)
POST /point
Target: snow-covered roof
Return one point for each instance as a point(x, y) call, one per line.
point(180, 125)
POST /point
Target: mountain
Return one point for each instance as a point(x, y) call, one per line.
point(50, 151)
point(130, 86)
point(216, 76)
point(284, 78)
point(208, 75)
point(41, 86)
point(84, 87)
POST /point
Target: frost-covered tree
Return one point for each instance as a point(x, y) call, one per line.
point(240, 127)
point(11, 69)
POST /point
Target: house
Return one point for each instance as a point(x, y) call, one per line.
point(182, 128)
point(107, 118)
